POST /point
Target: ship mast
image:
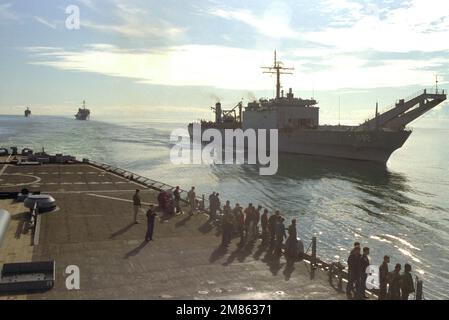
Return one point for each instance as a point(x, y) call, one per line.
point(436, 84)
point(278, 69)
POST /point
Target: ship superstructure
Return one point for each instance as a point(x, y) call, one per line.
point(27, 112)
point(83, 113)
point(297, 121)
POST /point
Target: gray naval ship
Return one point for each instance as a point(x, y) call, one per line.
point(27, 112)
point(83, 113)
point(297, 121)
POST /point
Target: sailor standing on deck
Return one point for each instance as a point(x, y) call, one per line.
point(137, 204)
point(272, 220)
point(212, 205)
point(383, 278)
point(227, 224)
point(364, 265)
point(280, 235)
point(177, 198)
point(292, 241)
point(264, 225)
point(351, 282)
point(394, 289)
point(191, 196)
point(354, 271)
point(250, 213)
point(239, 219)
point(292, 232)
point(227, 208)
point(151, 215)
point(257, 214)
point(218, 203)
point(407, 285)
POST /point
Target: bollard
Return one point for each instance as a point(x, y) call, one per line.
point(340, 276)
point(419, 291)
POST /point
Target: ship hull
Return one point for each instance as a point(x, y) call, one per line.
point(376, 146)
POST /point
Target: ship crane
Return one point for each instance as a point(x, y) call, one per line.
point(278, 69)
point(223, 114)
point(227, 113)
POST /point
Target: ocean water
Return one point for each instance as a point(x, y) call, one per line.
point(401, 210)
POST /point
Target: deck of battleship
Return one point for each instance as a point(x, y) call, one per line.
point(92, 229)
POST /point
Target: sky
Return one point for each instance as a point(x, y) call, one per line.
point(175, 59)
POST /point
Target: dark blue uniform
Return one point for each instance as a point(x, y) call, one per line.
point(364, 265)
point(354, 272)
point(151, 215)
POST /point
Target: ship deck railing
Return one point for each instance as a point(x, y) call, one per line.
point(202, 200)
point(337, 270)
point(149, 183)
point(434, 91)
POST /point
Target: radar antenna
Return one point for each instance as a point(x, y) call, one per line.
point(278, 69)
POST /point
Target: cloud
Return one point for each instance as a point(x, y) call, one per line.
point(353, 51)
point(6, 14)
point(45, 22)
point(234, 68)
point(342, 12)
point(42, 50)
point(133, 21)
point(135, 30)
point(354, 27)
point(274, 23)
point(89, 4)
point(418, 25)
point(189, 65)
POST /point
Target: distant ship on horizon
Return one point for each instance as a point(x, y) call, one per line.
point(83, 113)
point(27, 112)
point(300, 132)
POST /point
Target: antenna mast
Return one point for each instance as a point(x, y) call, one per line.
point(278, 69)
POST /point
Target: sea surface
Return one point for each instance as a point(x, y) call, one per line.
point(401, 210)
